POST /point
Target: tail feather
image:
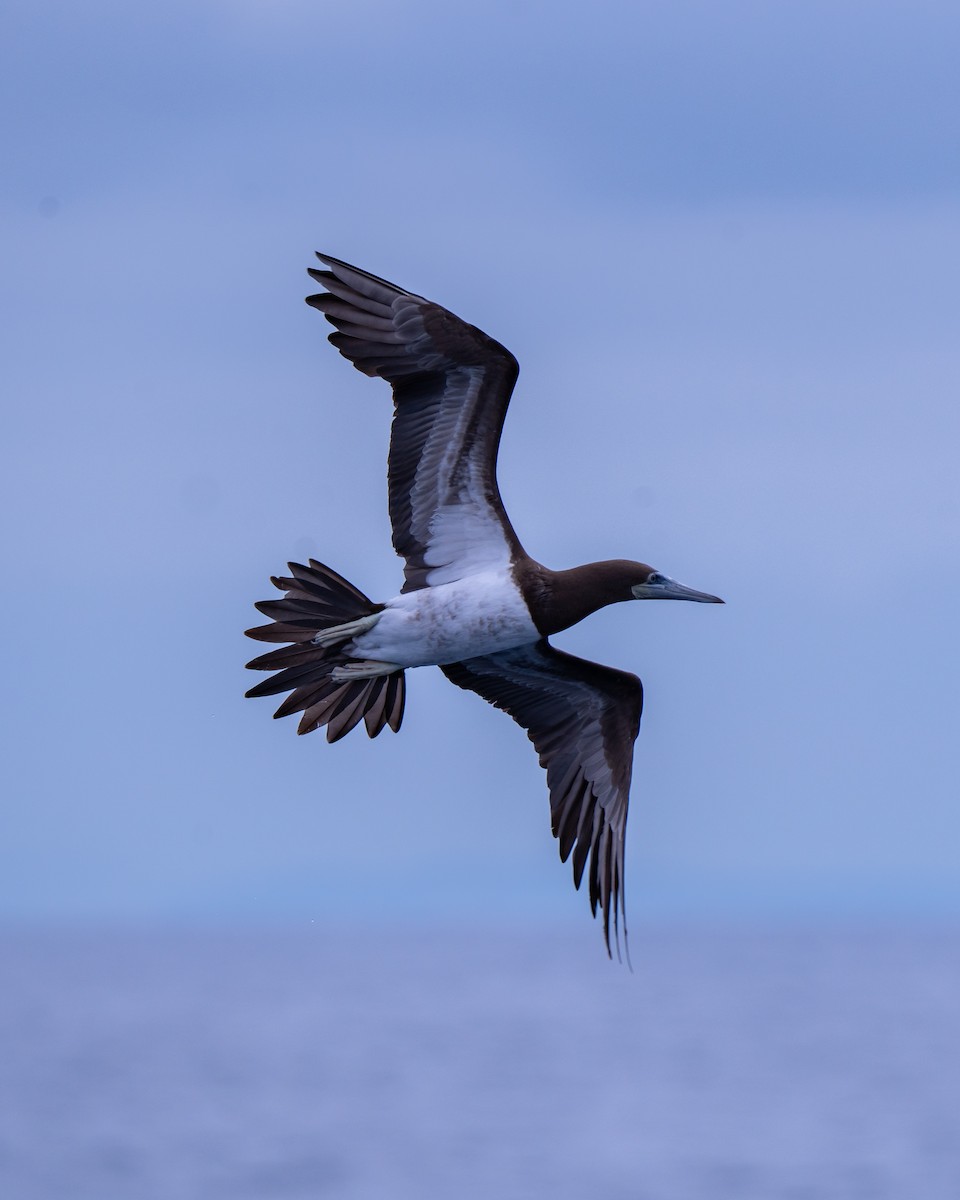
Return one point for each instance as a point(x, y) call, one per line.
point(375, 714)
point(317, 599)
point(396, 699)
point(301, 699)
point(324, 581)
point(319, 706)
point(349, 712)
point(299, 612)
point(288, 656)
point(281, 632)
point(293, 677)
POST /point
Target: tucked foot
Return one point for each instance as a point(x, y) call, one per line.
point(342, 633)
point(364, 668)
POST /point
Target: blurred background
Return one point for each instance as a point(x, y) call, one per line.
point(724, 243)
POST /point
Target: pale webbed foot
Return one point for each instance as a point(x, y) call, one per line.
point(364, 668)
point(342, 633)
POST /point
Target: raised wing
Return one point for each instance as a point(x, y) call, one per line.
point(583, 720)
point(451, 387)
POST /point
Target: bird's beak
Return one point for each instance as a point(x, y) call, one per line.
point(671, 590)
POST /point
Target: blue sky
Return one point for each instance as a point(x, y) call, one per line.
point(724, 242)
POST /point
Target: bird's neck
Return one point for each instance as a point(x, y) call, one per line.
point(559, 599)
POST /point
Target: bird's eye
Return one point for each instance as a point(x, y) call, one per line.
point(655, 578)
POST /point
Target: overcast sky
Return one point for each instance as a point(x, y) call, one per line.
point(724, 243)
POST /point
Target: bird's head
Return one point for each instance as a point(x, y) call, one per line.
point(563, 598)
point(653, 585)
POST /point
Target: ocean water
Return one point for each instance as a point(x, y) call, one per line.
point(283, 1065)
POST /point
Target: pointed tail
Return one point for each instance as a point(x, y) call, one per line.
point(316, 602)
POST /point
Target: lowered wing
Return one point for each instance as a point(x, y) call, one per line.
point(583, 720)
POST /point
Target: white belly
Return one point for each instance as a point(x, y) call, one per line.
point(480, 614)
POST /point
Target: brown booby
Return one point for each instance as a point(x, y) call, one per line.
point(473, 602)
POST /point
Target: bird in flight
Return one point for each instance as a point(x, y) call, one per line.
point(473, 602)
